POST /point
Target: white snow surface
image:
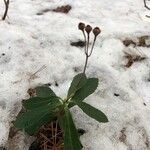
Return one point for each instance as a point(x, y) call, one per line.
point(30, 41)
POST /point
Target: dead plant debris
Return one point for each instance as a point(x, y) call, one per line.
point(143, 41)
point(76, 69)
point(123, 136)
point(78, 43)
point(63, 9)
point(49, 137)
point(43, 11)
point(128, 42)
point(116, 94)
point(31, 92)
point(2, 148)
point(12, 132)
point(131, 58)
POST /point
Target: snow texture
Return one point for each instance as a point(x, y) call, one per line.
point(30, 42)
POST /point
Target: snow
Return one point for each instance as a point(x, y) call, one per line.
point(31, 42)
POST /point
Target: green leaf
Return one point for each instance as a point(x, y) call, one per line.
point(93, 112)
point(71, 139)
point(71, 104)
point(89, 87)
point(36, 102)
point(31, 121)
point(44, 91)
point(77, 82)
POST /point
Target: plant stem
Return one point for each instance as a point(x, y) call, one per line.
point(84, 40)
point(92, 46)
point(88, 41)
point(86, 52)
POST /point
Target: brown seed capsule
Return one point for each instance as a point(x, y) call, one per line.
point(81, 26)
point(96, 31)
point(88, 29)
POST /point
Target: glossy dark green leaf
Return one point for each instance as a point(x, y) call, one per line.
point(36, 102)
point(89, 87)
point(93, 112)
point(31, 121)
point(71, 138)
point(71, 104)
point(44, 91)
point(77, 82)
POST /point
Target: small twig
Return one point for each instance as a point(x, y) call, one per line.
point(56, 133)
point(42, 135)
point(32, 76)
point(6, 9)
point(52, 126)
point(147, 16)
point(145, 5)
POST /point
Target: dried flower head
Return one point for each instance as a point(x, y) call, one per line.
point(96, 31)
point(88, 29)
point(81, 26)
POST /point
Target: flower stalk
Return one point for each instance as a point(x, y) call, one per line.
point(88, 29)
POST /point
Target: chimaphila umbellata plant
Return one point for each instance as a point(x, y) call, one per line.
point(46, 106)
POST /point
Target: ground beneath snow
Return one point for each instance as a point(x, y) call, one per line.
point(29, 42)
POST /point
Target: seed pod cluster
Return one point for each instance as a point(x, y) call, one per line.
point(88, 29)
